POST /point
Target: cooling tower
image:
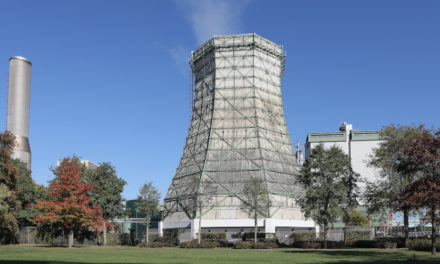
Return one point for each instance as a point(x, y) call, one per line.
point(18, 106)
point(237, 131)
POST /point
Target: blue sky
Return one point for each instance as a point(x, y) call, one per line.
point(110, 79)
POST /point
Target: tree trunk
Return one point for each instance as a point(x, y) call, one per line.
point(147, 231)
point(405, 227)
point(325, 236)
point(104, 233)
point(255, 228)
point(200, 226)
point(70, 238)
point(433, 233)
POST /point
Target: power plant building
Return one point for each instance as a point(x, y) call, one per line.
point(18, 107)
point(237, 131)
point(358, 145)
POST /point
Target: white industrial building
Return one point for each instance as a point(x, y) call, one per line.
point(357, 144)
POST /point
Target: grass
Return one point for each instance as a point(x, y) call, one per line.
point(26, 254)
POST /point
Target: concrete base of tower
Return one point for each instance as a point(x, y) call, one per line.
point(283, 229)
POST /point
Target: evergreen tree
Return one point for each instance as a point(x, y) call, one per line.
point(106, 194)
point(330, 186)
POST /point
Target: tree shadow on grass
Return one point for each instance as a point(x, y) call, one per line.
point(368, 257)
point(63, 262)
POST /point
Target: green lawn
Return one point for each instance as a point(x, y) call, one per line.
point(27, 254)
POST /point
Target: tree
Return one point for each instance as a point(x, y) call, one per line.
point(106, 194)
point(8, 222)
point(386, 192)
point(356, 218)
point(148, 204)
point(255, 200)
point(330, 186)
point(68, 206)
point(8, 179)
point(422, 157)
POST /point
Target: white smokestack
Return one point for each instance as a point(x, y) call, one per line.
point(18, 106)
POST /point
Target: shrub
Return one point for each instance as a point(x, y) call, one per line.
point(154, 244)
point(203, 244)
point(252, 245)
point(113, 239)
point(307, 236)
point(214, 236)
point(422, 244)
point(399, 241)
point(250, 236)
point(353, 235)
point(125, 239)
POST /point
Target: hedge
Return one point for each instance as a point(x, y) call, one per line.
point(213, 236)
point(252, 245)
point(422, 244)
point(307, 236)
point(155, 245)
point(353, 235)
point(203, 244)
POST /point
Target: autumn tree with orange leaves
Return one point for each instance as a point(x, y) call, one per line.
point(68, 206)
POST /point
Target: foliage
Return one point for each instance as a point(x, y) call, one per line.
point(251, 236)
point(155, 245)
point(307, 236)
point(27, 192)
point(148, 204)
point(68, 206)
point(356, 218)
point(422, 158)
point(107, 189)
point(202, 244)
point(422, 244)
point(353, 235)
point(258, 245)
point(125, 239)
point(106, 194)
point(255, 200)
point(214, 236)
point(386, 192)
point(330, 186)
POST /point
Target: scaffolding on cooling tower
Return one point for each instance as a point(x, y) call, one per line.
point(237, 128)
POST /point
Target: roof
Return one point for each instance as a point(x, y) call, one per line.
point(326, 137)
point(371, 135)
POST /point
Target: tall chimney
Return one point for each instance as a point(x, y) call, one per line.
point(18, 106)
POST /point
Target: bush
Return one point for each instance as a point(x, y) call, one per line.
point(113, 239)
point(250, 236)
point(252, 245)
point(203, 244)
point(213, 236)
point(422, 244)
point(125, 239)
point(307, 236)
point(154, 245)
point(399, 241)
point(353, 235)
